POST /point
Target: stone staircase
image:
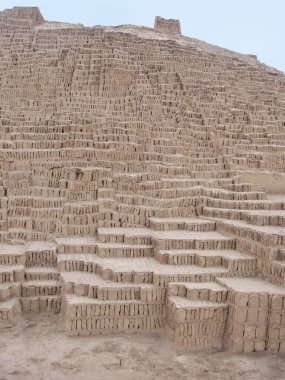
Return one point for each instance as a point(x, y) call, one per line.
point(41, 289)
point(28, 280)
point(258, 231)
point(174, 275)
point(12, 265)
point(196, 315)
point(123, 264)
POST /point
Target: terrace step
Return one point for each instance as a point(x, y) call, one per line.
point(255, 217)
point(84, 262)
point(93, 286)
point(124, 235)
point(40, 288)
point(11, 273)
point(12, 254)
point(51, 303)
point(10, 312)
point(123, 250)
point(90, 316)
point(244, 205)
point(9, 289)
point(40, 253)
point(41, 274)
point(277, 272)
point(164, 240)
point(197, 324)
point(243, 187)
point(186, 224)
point(256, 315)
point(233, 260)
point(204, 291)
point(75, 244)
point(265, 235)
point(137, 270)
point(223, 213)
point(266, 218)
point(232, 195)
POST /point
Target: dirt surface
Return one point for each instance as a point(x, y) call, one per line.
point(38, 349)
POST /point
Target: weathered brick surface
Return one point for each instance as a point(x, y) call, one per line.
point(134, 165)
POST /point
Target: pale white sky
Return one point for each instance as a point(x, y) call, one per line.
point(246, 26)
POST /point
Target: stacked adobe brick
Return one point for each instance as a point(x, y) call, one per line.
point(122, 197)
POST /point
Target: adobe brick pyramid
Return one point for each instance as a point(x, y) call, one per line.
point(142, 184)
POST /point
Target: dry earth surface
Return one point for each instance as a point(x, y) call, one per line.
point(38, 349)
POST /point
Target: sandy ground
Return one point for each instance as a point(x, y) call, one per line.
point(38, 349)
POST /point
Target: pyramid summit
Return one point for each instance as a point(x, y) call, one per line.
point(142, 184)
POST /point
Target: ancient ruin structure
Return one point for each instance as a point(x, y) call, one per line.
point(141, 182)
point(167, 26)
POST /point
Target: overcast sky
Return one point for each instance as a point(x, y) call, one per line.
point(247, 26)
